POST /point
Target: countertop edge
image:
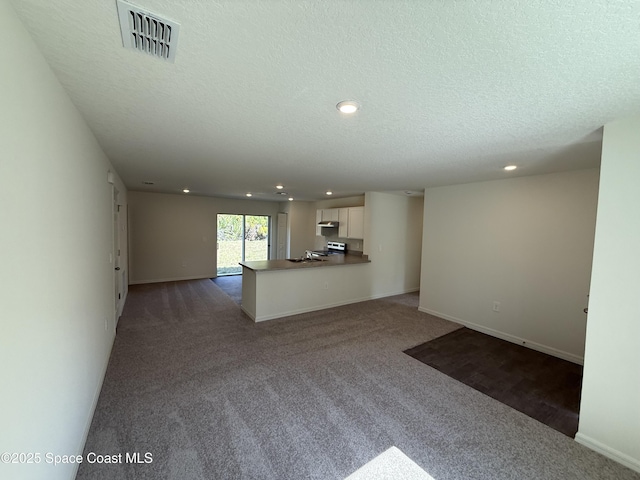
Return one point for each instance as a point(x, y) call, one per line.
point(283, 264)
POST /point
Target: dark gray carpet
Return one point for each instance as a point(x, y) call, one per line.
point(544, 387)
point(212, 395)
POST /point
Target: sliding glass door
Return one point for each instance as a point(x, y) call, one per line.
point(240, 238)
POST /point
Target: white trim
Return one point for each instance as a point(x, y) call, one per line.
point(612, 453)
point(510, 338)
point(173, 279)
point(298, 311)
point(94, 404)
point(123, 300)
point(323, 307)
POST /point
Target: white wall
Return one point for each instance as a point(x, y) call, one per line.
point(393, 234)
point(610, 408)
point(302, 226)
point(525, 242)
point(356, 201)
point(58, 303)
point(173, 237)
point(268, 294)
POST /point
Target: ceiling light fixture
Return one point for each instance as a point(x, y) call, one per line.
point(348, 106)
point(279, 187)
point(508, 168)
point(186, 190)
point(291, 199)
point(329, 192)
point(249, 194)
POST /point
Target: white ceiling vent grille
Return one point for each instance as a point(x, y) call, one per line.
point(147, 32)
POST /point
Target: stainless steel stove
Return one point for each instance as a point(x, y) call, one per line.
point(333, 248)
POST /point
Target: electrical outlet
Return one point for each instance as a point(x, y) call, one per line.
point(496, 306)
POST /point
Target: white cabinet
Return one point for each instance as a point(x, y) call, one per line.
point(343, 222)
point(350, 221)
point(356, 222)
point(324, 215)
point(331, 214)
point(318, 220)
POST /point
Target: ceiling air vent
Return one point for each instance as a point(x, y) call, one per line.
point(147, 32)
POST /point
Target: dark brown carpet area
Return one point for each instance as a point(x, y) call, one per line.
point(539, 385)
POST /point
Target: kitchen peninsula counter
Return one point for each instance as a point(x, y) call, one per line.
point(328, 261)
point(279, 288)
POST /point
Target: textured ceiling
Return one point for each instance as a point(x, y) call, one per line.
point(450, 91)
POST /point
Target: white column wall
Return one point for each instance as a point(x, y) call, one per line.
point(610, 407)
point(302, 227)
point(393, 238)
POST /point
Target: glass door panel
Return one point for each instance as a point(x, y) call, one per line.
point(256, 237)
point(240, 238)
point(230, 233)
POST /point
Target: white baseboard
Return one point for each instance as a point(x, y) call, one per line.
point(171, 279)
point(121, 303)
point(298, 311)
point(248, 314)
point(613, 454)
point(391, 294)
point(508, 337)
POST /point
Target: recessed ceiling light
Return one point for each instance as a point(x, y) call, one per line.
point(279, 187)
point(186, 190)
point(348, 106)
point(249, 194)
point(291, 199)
point(508, 168)
point(329, 192)
point(148, 182)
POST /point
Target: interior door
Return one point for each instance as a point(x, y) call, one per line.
point(117, 274)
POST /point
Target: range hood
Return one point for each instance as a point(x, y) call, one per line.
point(328, 224)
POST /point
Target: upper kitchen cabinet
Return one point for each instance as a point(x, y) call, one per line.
point(351, 222)
point(343, 222)
point(330, 214)
point(356, 222)
point(326, 215)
